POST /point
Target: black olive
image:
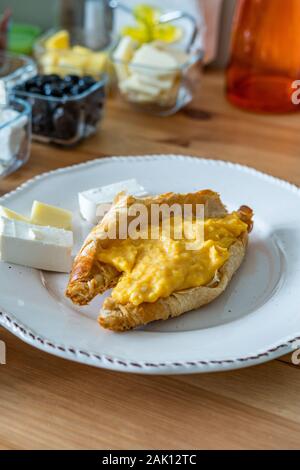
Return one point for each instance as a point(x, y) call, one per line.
point(65, 124)
point(73, 79)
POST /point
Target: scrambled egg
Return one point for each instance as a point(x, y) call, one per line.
point(155, 268)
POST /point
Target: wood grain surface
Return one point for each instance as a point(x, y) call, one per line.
point(50, 403)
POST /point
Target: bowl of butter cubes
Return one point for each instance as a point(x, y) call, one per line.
point(154, 60)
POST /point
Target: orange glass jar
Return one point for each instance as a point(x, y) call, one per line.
point(265, 55)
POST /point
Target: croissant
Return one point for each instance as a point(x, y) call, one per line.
point(90, 277)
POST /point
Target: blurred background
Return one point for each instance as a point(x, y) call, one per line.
point(70, 57)
point(219, 15)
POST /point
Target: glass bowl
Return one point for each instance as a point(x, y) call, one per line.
point(158, 90)
point(66, 120)
point(69, 61)
point(15, 135)
point(144, 79)
point(13, 69)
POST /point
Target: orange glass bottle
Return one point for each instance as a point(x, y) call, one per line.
point(265, 55)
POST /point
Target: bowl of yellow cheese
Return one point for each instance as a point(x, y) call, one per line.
point(59, 52)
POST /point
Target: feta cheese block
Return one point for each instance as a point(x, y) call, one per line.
point(10, 214)
point(35, 246)
point(45, 214)
point(93, 202)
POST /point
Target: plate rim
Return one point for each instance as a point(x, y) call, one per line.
point(19, 329)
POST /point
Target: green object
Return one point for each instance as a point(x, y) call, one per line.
point(21, 37)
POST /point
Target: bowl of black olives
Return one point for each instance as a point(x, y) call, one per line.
point(65, 109)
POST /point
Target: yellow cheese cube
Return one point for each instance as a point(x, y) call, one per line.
point(48, 63)
point(53, 69)
point(97, 63)
point(72, 60)
point(81, 50)
point(73, 63)
point(45, 214)
point(49, 58)
point(59, 40)
point(9, 214)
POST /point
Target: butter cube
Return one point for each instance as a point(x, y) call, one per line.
point(45, 214)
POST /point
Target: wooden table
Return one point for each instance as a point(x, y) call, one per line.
point(47, 402)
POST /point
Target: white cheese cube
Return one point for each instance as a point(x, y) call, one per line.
point(93, 201)
point(163, 84)
point(122, 55)
point(122, 72)
point(132, 84)
point(141, 98)
point(35, 246)
point(125, 49)
point(159, 63)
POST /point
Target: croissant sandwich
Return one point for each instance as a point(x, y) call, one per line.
point(162, 276)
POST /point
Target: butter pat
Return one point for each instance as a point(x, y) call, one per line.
point(9, 214)
point(45, 214)
point(92, 201)
point(35, 246)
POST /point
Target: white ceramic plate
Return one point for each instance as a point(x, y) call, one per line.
point(255, 320)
